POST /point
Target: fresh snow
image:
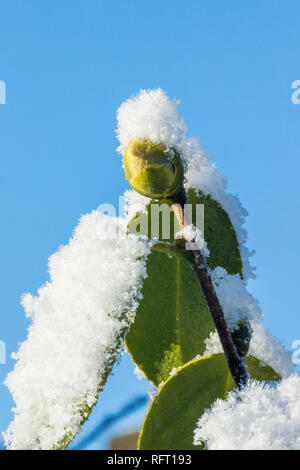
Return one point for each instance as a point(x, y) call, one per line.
point(194, 238)
point(237, 303)
point(134, 203)
point(263, 346)
point(79, 319)
point(152, 115)
point(259, 417)
point(270, 350)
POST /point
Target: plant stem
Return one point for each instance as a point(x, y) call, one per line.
point(235, 362)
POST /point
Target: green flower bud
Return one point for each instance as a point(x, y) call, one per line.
point(153, 170)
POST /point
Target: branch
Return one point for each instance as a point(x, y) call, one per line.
point(235, 362)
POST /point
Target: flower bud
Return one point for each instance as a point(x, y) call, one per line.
point(153, 170)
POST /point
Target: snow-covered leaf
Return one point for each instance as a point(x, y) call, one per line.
point(219, 234)
point(79, 320)
point(173, 320)
point(175, 410)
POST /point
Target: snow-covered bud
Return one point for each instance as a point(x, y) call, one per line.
point(153, 170)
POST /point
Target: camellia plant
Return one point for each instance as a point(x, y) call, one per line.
point(175, 293)
point(187, 308)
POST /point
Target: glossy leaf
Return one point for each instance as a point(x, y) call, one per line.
point(173, 320)
point(175, 410)
point(219, 234)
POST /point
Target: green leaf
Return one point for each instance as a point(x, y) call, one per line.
point(158, 221)
point(173, 320)
point(175, 410)
point(219, 234)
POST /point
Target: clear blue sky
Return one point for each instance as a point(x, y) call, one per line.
point(69, 64)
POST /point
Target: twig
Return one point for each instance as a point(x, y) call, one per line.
point(235, 362)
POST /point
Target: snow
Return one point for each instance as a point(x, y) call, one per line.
point(264, 419)
point(212, 345)
point(270, 350)
point(194, 238)
point(79, 319)
point(134, 203)
point(237, 303)
point(259, 417)
point(152, 115)
point(263, 346)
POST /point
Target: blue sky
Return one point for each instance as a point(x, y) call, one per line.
point(67, 67)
